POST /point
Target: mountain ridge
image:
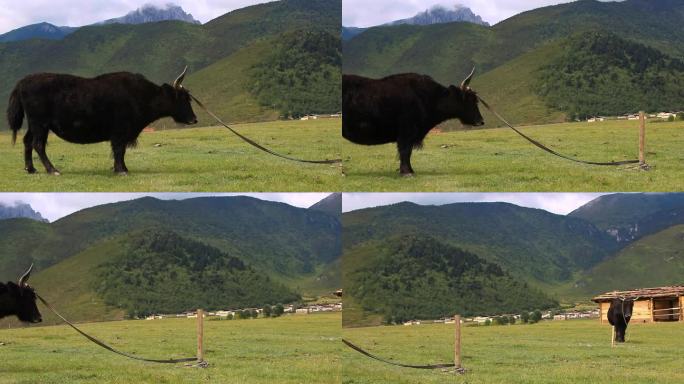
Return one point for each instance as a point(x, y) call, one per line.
point(439, 14)
point(20, 210)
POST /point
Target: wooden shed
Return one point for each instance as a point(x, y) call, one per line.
point(650, 305)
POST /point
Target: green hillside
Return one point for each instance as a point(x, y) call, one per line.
point(236, 41)
point(161, 272)
point(301, 76)
point(69, 285)
point(598, 73)
point(518, 59)
point(137, 257)
point(531, 244)
point(421, 278)
point(653, 261)
point(281, 240)
point(638, 241)
point(626, 209)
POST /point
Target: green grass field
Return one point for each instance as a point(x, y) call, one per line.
point(576, 351)
point(188, 160)
point(500, 160)
point(290, 349)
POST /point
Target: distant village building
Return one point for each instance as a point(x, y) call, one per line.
point(650, 304)
point(666, 115)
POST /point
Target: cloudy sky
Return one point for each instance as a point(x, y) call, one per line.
point(76, 13)
point(53, 206)
point(559, 203)
point(364, 13)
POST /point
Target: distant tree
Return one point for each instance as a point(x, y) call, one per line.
point(680, 116)
point(536, 317)
point(230, 316)
point(671, 118)
point(488, 322)
point(266, 310)
point(511, 319)
point(278, 310)
point(525, 317)
point(253, 313)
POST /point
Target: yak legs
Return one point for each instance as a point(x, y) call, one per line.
point(620, 333)
point(405, 160)
point(39, 144)
point(28, 152)
point(119, 152)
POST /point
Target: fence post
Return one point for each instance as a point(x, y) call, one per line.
point(642, 139)
point(457, 342)
point(200, 335)
point(612, 342)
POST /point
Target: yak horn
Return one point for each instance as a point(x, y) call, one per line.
point(466, 82)
point(179, 80)
point(24, 278)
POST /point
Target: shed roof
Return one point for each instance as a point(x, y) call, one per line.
point(673, 291)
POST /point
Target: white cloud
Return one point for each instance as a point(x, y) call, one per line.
point(76, 13)
point(54, 206)
point(559, 203)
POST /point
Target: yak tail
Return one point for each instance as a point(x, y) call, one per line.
point(15, 114)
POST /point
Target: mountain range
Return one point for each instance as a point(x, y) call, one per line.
point(437, 14)
point(620, 241)
point(550, 64)
point(146, 14)
point(331, 205)
point(149, 13)
point(99, 263)
point(237, 62)
point(20, 210)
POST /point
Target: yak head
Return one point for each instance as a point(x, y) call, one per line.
point(623, 308)
point(463, 101)
point(24, 297)
point(627, 308)
point(181, 110)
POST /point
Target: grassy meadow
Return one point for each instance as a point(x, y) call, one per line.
point(575, 351)
point(188, 160)
point(500, 160)
point(290, 349)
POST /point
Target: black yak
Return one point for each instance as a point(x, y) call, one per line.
point(19, 300)
point(113, 107)
point(619, 314)
point(403, 109)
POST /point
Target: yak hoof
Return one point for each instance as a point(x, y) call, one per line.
point(30, 170)
point(55, 173)
point(410, 174)
point(122, 173)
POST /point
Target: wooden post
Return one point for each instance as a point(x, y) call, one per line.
point(652, 307)
point(200, 335)
point(612, 338)
point(642, 139)
point(457, 342)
